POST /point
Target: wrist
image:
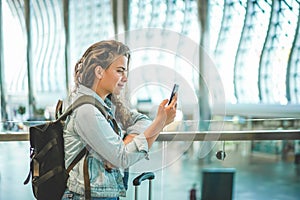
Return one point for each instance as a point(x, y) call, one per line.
point(159, 123)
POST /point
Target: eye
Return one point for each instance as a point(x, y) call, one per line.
point(121, 70)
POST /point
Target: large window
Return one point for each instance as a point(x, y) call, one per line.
point(254, 50)
point(90, 21)
point(253, 44)
point(46, 42)
point(165, 61)
point(14, 77)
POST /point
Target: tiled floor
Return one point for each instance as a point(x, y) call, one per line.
point(255, 178)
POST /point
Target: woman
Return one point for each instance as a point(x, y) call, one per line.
point(102, 73)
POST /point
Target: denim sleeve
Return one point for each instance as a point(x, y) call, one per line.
point(140, 123)
point(97, 133)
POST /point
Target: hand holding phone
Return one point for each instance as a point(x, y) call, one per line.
point(174, 91)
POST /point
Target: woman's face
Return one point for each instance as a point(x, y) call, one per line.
point(113, 78)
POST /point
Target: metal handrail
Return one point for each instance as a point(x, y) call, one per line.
point(196, 135)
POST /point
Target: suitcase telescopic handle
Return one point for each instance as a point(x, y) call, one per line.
point(139, 179)
point(144, 176)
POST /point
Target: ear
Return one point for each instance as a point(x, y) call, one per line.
point(99, 72)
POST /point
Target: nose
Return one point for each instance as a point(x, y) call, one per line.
point(124, 77)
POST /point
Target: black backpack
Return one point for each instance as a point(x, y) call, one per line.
point(47, 165)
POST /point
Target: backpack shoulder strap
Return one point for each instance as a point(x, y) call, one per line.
point(77, 159)
point(58, 108)
point(85, 99)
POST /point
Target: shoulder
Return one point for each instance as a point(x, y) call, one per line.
point(88, 111)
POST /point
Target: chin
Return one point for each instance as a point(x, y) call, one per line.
point(117, 92)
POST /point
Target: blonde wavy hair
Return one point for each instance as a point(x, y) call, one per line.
point(103, 53)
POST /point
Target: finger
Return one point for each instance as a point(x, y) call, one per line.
point(174, 101)
point(164, 102)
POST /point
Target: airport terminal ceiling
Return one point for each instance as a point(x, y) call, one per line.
point(254, 47)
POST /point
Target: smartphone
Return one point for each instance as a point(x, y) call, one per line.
point(174, 91)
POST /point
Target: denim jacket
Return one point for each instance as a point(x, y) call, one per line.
point(87, 127)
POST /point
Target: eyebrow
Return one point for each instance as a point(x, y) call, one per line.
point(122, 68)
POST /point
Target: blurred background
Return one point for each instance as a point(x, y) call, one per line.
point(237, 62)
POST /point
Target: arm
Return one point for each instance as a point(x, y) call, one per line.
point(140, 123)
point(94, 129)
point(129, 138)
point(98, 134)
point(165, 115)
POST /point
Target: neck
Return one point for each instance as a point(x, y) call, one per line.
point(99, 92)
